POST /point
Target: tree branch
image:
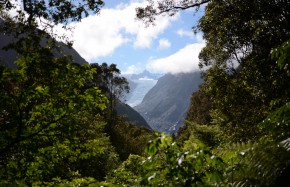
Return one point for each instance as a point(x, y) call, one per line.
point(177, 8)
point(148, 13)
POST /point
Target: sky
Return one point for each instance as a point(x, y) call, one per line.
point(115, 36)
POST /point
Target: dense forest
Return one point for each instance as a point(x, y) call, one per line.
point(58, 124)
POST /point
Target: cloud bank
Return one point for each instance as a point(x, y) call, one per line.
point(183, 61)
point(132, 70)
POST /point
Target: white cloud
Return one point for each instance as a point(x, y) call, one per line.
point(183, 61)
point(164, 43)
point(132, 70)
point(100, 35)
point(185, 33)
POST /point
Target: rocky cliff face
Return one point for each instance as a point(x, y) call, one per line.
point(165, 106)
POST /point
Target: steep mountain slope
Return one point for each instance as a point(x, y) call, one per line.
point(7, 58)
point(164, 107)
point(131, 115)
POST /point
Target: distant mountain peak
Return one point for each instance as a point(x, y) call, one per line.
point(144, 75)
point(146, 71)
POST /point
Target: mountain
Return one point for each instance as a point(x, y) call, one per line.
point(165, 106)
point(139, 84)
point(7, 58)
point(142, 87)
point(144, 75)
point(131, 115)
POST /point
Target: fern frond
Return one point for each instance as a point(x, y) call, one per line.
point(255, 163)
point(286, 144)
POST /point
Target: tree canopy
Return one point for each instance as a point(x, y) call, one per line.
point(57, 11)
point(244, 82)
point(45, 15)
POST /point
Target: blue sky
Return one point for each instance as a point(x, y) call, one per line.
point(115, 36)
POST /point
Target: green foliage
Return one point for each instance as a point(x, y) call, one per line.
point(242, 80)
point(199, 108)
point(263, 162)
point(238, 105)
point(277, 125)
point(282, 53)
point(129, 172)
point(169, 165)
point(51, 125)
point(259, 163)
point(193, 134)
point(74, 182)
point(128, 138)
point(107, 78)
point(255, 163)
point(208, 135)
point(57, 11)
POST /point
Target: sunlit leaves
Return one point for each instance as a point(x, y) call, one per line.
point(276, 126)
point(282, 54)
point(170, 165)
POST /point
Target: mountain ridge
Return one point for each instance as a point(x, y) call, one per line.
point(145, 74)
point(165, 106)
point(8, 57)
